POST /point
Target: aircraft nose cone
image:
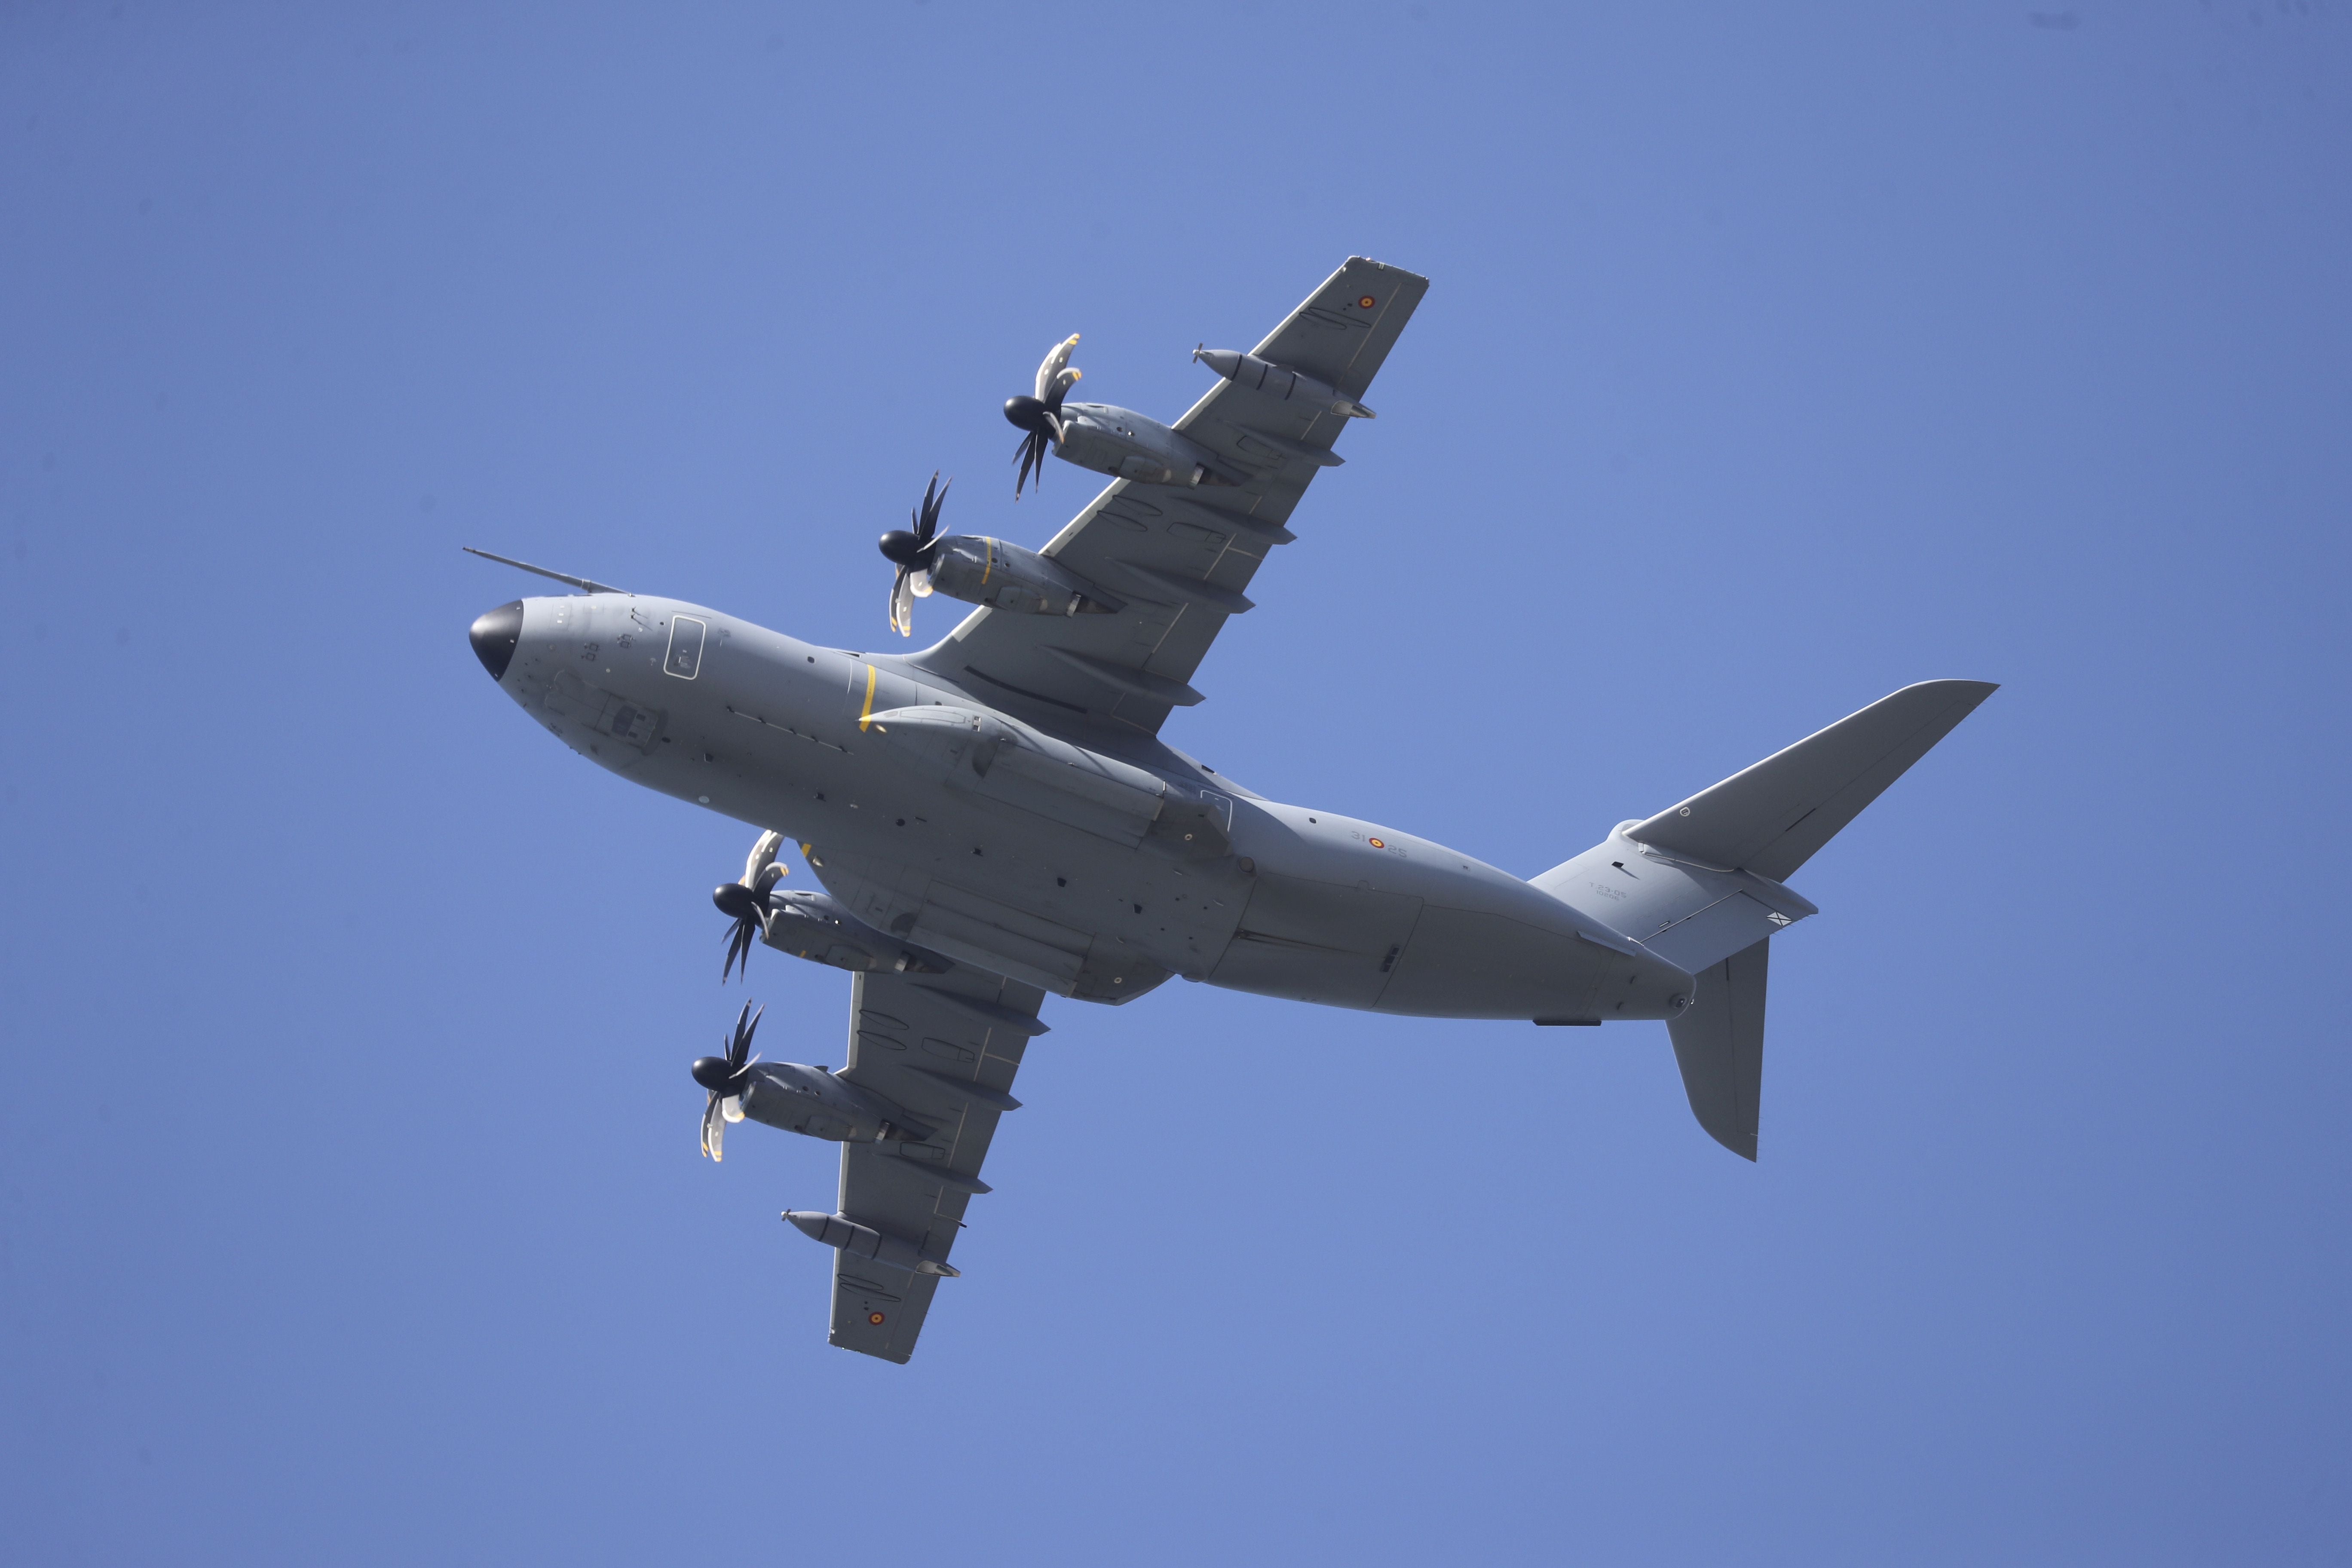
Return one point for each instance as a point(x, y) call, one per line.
point(494, 637)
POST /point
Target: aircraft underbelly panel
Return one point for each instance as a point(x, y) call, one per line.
point(1318, 941)
point(1474, 963)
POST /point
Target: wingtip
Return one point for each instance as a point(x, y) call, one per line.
point(1972, 692)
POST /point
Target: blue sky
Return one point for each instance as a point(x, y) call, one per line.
point(350, 1207)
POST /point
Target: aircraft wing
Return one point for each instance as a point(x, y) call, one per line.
point(944, 1047)
point(1181, 556)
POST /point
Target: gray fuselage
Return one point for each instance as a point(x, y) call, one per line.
point(915, 833)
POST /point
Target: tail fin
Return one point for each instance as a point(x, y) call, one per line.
point(1719, 1045)
point(1699, 883)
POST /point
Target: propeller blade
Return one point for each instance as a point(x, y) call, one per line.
point(762, 859)
point(1032, 454)
point(714, 1129)
point(920, 582)
point(739, 939)
point(927, 516)
point(1051, 370)
point(732, 1108)
point(902, 608)
point(739, 1049)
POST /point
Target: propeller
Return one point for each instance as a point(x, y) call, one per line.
point(725, 1078)
point(913, 551)
point(1041, 415)
point(746, 904)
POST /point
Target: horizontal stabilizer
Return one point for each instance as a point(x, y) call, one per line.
point(1771, 817)
point(1719, 1045)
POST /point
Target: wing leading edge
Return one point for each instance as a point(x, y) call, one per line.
point(1181, 556)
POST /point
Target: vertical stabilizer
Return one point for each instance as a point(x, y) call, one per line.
point(1700, 884)
point(1719, 1045)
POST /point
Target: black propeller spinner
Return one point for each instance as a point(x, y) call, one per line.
point(912, 552)
point(725, 1077)
point(744, 906)
point(1041, 415)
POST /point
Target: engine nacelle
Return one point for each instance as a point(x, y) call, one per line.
point(1279, 381)
point(815, 1103)
point(1006, 577)
point(1124, 444)
point(815, 926)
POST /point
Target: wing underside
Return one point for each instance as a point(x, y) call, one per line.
point(1179, 557)
point(945, 1048)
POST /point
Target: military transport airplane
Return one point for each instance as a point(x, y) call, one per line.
point(995, 817)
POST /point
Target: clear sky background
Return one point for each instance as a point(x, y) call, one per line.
point(350, 1207)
